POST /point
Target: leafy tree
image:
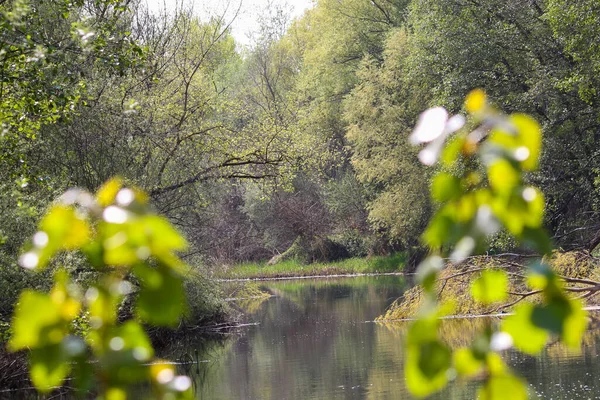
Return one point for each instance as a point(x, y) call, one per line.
point(333, 38)
point(192, 106)
point(47, 49)
point(575, 26)
point(524, 54)
point(381, 110)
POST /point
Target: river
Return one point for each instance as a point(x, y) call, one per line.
point(315, 339)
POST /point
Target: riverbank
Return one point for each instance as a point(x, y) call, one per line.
point(292, 268)
point(579, 271)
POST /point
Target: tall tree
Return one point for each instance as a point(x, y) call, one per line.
point(526, 56)
point(381, 110)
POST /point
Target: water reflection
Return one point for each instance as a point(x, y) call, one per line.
point(315, 341)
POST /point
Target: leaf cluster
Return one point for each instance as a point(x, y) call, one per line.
point(485, 193)
point(134, 252)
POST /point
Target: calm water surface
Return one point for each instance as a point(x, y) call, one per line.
point(315, 340)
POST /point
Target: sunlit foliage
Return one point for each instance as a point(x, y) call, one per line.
point(134, 252)
point(488, 153)
point(381, 110)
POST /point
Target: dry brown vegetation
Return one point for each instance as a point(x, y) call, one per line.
point(579, 271)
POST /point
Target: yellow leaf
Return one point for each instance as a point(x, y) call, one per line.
point(530, 140)
point(34, 315)
point(495, 364)
point(77, 235)
point(65, 229)
point(503, 176)
point(575, 325)
point(107, 193)
point(475, 100)
point(115, 393)
point(70, 309)
point(503, 387)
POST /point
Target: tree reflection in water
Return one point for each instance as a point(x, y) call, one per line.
point(316, 340)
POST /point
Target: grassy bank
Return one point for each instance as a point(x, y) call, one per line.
point(291, 268)
point(453, 285)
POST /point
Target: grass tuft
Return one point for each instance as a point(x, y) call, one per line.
point(291, 268)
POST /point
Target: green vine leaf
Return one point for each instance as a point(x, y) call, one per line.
point(426, 367)
point(161, 300)
point(527, 336)
point(490, 287)
point(37, 322)
point(503, 387)
point(466, 363)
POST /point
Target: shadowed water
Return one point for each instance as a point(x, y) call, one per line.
point(315, 340)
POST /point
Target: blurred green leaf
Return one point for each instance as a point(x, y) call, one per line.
point(466, 208)
point(65, 228)
point(535, 207)
point(161, 299)
point(503, 177)
point(102, 305)
point(128, 348)
point(139, 238)
point(476, 101)
point(495, 365)
point(426, 367)
point(465, 363)
point(452, 222)
point(437, 231)
point(134, 337)
point(163, 236)
point(122, 243)
point(502, 387)
point(107, 193)
point(427, 360)
point(445, 187)
point(527, 336)
point(60, 229)
point(575, 325)
point(523, 145)
point(518, 215)
point(434, 359)
point(116, 393)
point(423, 329)
point(530, 136)
point(36, 322)
point(540, 275)
point(49, 367)
point(490, 287)
point(452, 151)
point(551, 317)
